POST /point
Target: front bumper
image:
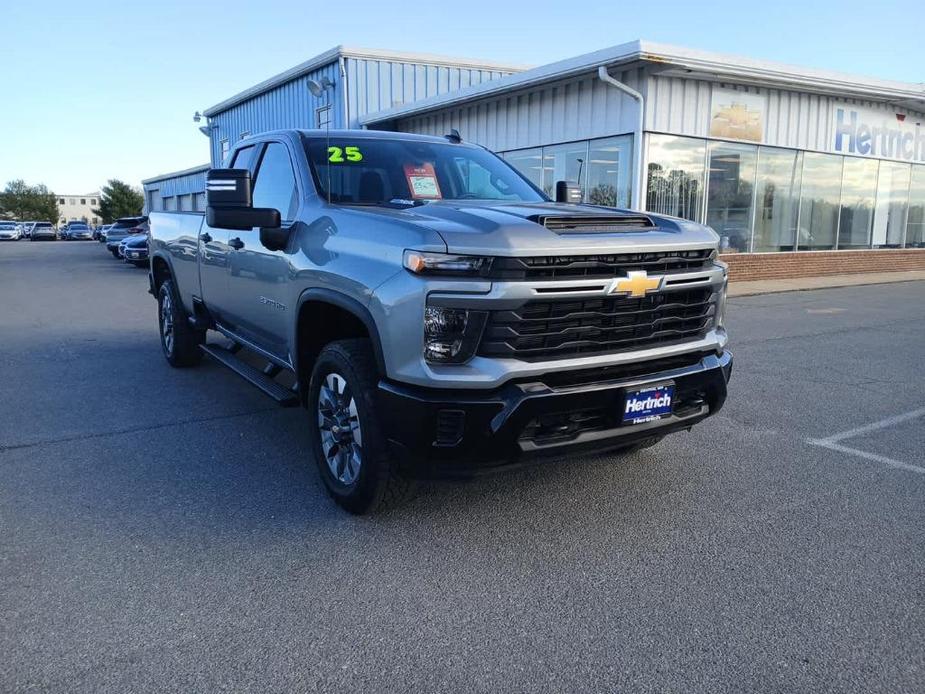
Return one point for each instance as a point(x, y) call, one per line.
point(462, 432)
point(131, 255)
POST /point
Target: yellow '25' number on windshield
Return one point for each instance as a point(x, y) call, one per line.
point(336, 154)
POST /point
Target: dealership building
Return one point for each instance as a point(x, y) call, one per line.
point(799, 171)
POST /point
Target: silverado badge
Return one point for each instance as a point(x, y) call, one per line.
point(636, 283)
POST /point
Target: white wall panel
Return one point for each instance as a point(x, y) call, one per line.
point(792, 119)
point(576, 109)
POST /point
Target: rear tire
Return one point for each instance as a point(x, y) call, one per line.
point(353, 458)
point(179, 340)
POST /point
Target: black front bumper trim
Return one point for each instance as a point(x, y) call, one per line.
point(528, 419)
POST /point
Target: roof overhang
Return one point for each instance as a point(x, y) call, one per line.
point(680, 62)
point(177, 174)
point(334, 54)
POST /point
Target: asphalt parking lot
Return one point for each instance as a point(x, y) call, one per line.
point(165, 530)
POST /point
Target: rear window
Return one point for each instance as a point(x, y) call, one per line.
point(127, 223)
point(78, 225)
point(7, 225)
point(43, 225)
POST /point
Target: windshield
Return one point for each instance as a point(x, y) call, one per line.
point(402, 173)
point(7, 225)
point(77, 226)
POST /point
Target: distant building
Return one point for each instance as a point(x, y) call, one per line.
point(78, 208)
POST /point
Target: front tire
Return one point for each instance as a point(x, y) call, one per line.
point(352, 455)
point(179, 340)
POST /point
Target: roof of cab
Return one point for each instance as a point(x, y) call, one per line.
point(354, 134)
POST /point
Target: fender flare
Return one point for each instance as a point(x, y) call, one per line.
point(158, 255)
point(349, 304)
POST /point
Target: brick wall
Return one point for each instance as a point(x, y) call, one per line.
point(767, 266)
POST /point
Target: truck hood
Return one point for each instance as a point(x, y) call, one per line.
point(516, 229)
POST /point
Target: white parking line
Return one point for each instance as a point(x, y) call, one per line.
point(832, 442)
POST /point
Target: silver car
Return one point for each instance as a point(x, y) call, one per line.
point(79, 231)
point(43, 230)
point(10, 231)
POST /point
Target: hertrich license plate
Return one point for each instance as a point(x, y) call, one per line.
point(648, 404)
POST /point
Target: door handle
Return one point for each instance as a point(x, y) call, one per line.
point(206, 237)
point(236, 243)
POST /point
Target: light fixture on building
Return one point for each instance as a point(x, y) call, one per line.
point(318, 87)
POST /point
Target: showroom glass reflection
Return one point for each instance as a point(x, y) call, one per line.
point(764, 199)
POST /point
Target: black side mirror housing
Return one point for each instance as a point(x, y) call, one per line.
point(229, 188)
point(568, 192)
point(230, 202)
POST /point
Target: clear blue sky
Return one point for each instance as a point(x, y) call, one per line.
point(97, 90)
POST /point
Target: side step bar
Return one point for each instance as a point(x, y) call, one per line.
point(283, 395)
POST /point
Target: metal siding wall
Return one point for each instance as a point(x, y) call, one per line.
point(372, 85)
point(376, 85)
point(793, 119)
point(289, 105)
point(576, 109)
point(158, 192)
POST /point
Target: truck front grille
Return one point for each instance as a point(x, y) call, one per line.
point(599, 266)
point(557, 329)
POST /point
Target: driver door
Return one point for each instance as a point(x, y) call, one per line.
point(258, 288)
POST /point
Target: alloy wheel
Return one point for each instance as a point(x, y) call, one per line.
point(339, 425)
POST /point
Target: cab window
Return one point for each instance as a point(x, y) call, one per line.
point(275, 186)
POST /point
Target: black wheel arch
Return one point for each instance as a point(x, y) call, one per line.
point(320, 296)
point(161, 269)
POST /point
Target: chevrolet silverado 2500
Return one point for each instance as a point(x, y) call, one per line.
point(435, 312)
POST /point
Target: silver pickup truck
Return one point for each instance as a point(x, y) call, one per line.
point(435, 312)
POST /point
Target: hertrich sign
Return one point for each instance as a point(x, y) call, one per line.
point(870, 133)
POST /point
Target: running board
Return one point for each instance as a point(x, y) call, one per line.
point(283, 395)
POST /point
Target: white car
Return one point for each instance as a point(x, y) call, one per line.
point(10, 231)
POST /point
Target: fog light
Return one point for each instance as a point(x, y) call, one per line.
point(451, 335)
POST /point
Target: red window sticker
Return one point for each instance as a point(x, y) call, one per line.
point(422, 181)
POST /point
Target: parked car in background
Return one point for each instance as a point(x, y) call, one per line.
point(27, 229)
point(122, 228)
point(99, 231)
point(10, 231)
point(43, 230)
point(79, 231)
point(134, 250)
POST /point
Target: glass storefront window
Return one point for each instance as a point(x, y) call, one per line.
point(730, 186)
point(564, 163)
point(609, 178)
point(821, 195)
point(892, 205)
point(858, 193)
point(601, 167)
point(915, 227)
point(777, 199)
point(529, 162)
point(675, 179)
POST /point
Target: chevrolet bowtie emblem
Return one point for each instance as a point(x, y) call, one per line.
point(636, 283)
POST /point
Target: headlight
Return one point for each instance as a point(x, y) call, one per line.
point(422, 263)
point(451, 335)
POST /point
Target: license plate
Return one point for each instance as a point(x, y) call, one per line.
point(648, 404)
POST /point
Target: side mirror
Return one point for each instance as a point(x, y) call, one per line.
point(230, 202)
point(568, 192)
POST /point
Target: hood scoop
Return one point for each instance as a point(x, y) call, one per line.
point(593, 224)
